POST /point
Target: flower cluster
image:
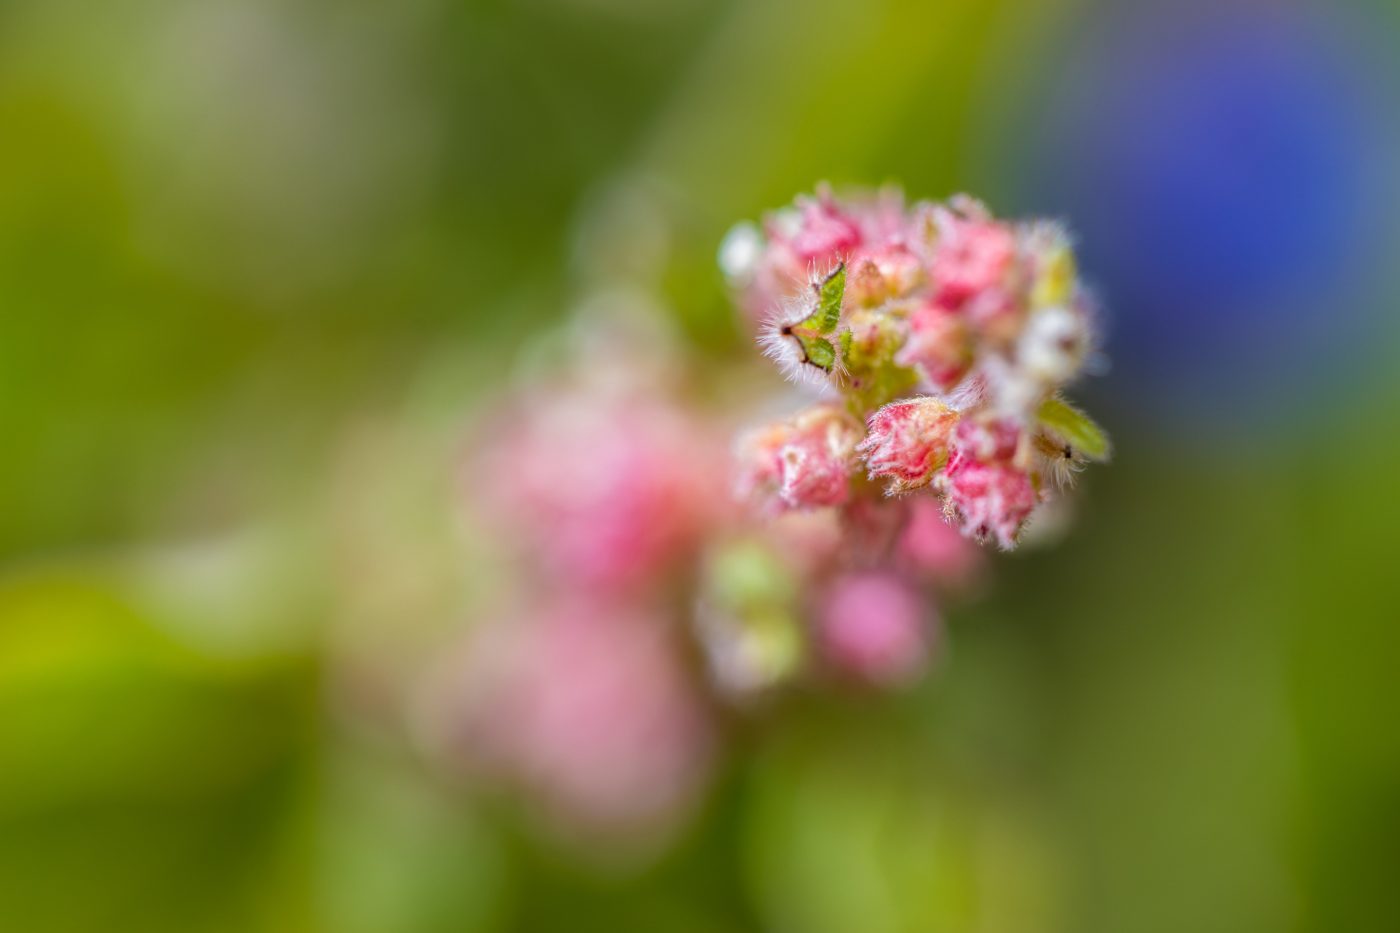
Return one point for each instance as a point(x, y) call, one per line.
point(943, 338)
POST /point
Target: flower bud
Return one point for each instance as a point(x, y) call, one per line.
point(801, 463)
point(988, 494)
point(1053, 345)
point(883, 274)
point(972, 257)
point(822, 234)
point(907, 442)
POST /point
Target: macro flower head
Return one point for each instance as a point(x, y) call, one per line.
point(948, 333)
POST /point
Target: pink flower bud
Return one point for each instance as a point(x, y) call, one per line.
point(801, 463)
point(987, 493)
point(972, 257)
point(908, 442)
point(939, 346)
point(599, 491)
point(997, 439)
point(871, 626)
point(823, 234)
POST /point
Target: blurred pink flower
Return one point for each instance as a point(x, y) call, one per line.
point(932, 548)
point(872, 626)
point(587, 706)
point(602, 491)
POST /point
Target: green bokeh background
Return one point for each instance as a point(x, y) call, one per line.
point(260, 260)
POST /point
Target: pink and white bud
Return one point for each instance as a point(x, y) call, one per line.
point(985, 491)
point(996, 439)
point(801, 463)
point(874, 627)
point(815, 471)
point(991, 500)
point(908, 442)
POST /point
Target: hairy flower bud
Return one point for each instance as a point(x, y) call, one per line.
point(907, 442)
point(987, 492)
point(1052, 347)
point(804, 462)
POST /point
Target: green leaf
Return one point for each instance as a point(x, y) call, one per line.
point(1076, 428)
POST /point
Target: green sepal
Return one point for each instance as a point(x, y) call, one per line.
point(1074, 427)
point(830, 291)
point(818, 351)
